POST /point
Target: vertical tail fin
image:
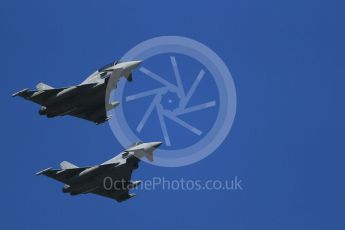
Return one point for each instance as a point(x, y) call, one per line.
point(42, 86)
point(67, 165)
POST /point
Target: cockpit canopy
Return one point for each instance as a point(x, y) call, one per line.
point(135, 144)
point(108, 65)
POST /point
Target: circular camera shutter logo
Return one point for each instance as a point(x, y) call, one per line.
point(182, 94)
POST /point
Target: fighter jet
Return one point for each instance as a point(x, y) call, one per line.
point(88, 100)
point(111, 179)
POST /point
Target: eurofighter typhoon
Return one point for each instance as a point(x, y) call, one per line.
point(88, 100)
point(111, 179)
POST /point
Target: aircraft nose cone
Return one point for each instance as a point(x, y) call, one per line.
point(134, 64)
point(156, 144)
point(152, 146)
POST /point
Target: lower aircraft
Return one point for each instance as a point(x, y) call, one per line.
point(110, 179)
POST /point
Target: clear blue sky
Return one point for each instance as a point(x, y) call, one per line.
point(287, 143)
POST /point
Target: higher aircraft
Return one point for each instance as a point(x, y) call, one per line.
point(88, 100)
